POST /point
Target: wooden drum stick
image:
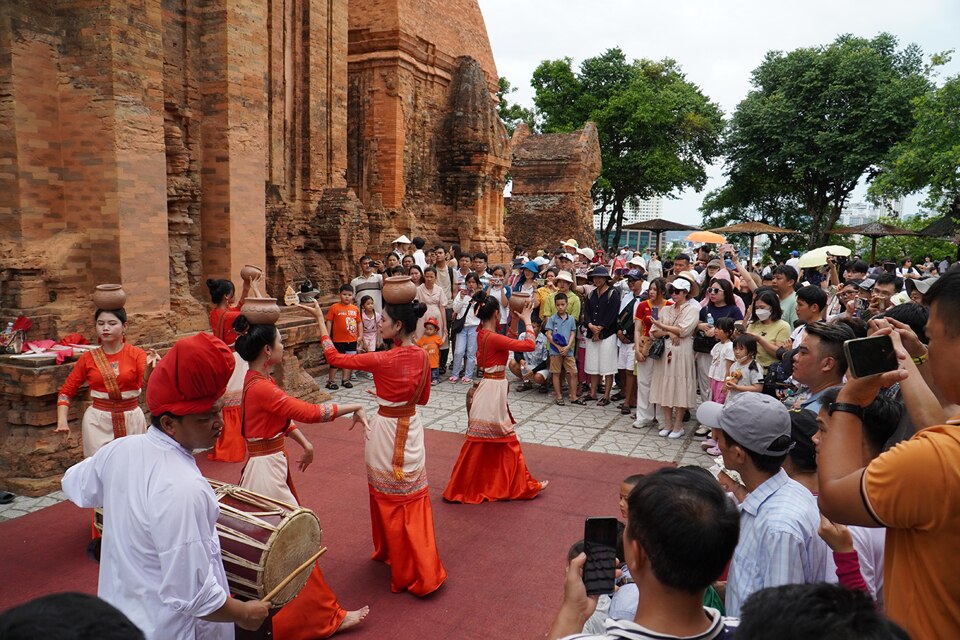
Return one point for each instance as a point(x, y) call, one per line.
point(283, 583)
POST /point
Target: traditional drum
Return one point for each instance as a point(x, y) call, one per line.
point(262, 541)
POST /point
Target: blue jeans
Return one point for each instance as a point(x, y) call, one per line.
point(466, 345)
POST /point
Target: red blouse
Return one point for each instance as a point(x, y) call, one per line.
point(497, 348)
point(225, 331)
point(396, 373)
point(267, 410)
point(644, 313)
point(131, 362)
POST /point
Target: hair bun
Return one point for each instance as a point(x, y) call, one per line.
point(419, 308)
point(241, 325)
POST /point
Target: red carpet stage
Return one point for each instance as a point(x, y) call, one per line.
point(505, 560)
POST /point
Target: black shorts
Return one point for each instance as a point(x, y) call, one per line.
point(346, 347)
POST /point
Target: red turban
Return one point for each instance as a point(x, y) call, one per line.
point(191, 377)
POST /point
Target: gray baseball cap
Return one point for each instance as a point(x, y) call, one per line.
point(757, 421)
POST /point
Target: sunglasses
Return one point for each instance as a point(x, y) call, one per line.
point(715, 290)
point(674, 291)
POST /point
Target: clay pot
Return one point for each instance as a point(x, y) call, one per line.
point(261, 310)
point(250, 272)
point(109, 297)
point(399, 290)
point(518, 299)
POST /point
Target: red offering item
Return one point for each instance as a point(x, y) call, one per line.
point(73, 338)
point(23, 323)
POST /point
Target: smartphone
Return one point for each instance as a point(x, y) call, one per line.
point(600, 545)
point(869, 356)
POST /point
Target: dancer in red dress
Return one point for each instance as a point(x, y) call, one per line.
point(400, 512)
point(231, 446)
point(267, 421)
point(491, 466)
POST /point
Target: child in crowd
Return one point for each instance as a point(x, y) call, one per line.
point(501, 292)
point(343, 325)
point(561, 330)
point(431, 343)
point(745, 374)
point(370, 320)
point(534, 366)
point(721, 357)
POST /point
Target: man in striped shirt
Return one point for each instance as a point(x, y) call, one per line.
point(779, 518)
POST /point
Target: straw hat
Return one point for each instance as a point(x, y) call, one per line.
point(691, 277)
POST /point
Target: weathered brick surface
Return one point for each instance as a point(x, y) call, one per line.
point(552, 178)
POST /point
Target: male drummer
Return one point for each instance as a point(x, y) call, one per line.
point(160, 560)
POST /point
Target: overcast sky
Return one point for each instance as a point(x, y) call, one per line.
point(717, 43)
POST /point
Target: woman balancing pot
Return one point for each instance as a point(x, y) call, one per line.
point(400, 512)
point(230, 447)
point(267, 415)
point(491, 465)
point(115, 373)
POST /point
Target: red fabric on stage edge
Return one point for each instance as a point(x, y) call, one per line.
point(491, 469)
point(231, 445)
point(314, 613)
point(403, 538)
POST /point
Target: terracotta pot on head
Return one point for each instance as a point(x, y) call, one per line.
point(399, 290)
point(518, 300)
point(251, 274)
point(261, 310)
point(109, 297)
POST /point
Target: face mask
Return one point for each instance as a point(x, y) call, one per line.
point(763, 314)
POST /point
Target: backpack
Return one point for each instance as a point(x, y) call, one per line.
point(625, 322)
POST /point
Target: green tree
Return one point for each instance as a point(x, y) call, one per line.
point(657, 130)
point(511, 114)
point(820, 119)
point(930, 156)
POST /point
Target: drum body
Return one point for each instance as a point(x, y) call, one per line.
point(262, 541)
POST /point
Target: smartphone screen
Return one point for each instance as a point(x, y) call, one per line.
point(869, 356)
point(600, 545)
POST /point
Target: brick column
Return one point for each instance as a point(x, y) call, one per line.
point(233, 86)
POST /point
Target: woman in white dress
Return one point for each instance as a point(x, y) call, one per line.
point(433, 295)
point(674, 378)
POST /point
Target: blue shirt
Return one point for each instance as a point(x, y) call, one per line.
point(778, 544)
point(560, 327)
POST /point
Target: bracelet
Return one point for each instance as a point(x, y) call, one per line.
point(919, 360)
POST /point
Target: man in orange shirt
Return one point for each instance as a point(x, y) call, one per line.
point(431, 343)
point(913, 489)
point(343, 325)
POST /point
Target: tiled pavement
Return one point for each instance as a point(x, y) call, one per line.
point(539, 421)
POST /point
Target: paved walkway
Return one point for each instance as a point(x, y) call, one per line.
point(539, 421)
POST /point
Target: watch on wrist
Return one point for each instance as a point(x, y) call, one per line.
point(849, 407)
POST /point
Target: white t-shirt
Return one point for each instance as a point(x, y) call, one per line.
point(721, 353)
point(750, 374)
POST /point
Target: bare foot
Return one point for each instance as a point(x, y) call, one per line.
point(353, 618)
point(543, 485)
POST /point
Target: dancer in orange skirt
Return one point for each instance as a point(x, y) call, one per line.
point(491, 466)
point(266, 421)
point(230, 447)
point(400, 512)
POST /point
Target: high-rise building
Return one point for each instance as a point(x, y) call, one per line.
point(857, 213)
point(641, 212)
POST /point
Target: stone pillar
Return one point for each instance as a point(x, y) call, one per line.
point(233, 129)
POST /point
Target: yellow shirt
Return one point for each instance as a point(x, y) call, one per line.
point(776, 332)
point(914, 490)
point(548, 308)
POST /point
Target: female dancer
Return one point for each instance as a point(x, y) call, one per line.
point(230, 447)
point(115, 373)
point(266, 421)
point(491, 466)
point(400, 512)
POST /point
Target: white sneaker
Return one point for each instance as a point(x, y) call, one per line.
point(663, 433)
point(673, 435)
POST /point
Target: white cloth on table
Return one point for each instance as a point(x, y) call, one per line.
point(160, 560)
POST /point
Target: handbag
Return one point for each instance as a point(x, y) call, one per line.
point(703, 343)
point(625, 323)
point(458, 324)
point(657, 347)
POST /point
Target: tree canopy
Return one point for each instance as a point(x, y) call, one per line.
point(817, 121)
point(657, 130)
point(511, 114)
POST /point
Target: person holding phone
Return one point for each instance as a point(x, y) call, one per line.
point(491, 465)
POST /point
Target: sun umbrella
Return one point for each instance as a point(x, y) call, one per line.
point(753, 229)
point(872, 230)
point(658, 226)
point(706, 237)
point(818, 257)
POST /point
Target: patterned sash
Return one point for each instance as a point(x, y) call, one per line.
point(113, 390)
point(403, 422)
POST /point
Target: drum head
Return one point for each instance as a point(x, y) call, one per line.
point(297, 539)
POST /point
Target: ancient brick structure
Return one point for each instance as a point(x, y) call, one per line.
point(552, 178)
point(426, 153)
point(158, 143)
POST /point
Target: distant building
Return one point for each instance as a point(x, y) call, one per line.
point(857, 213)
point(641, 212)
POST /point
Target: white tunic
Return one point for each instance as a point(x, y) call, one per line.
point(160, 561)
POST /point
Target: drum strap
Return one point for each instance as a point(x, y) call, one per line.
point(403, 423)
point(113, 390)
